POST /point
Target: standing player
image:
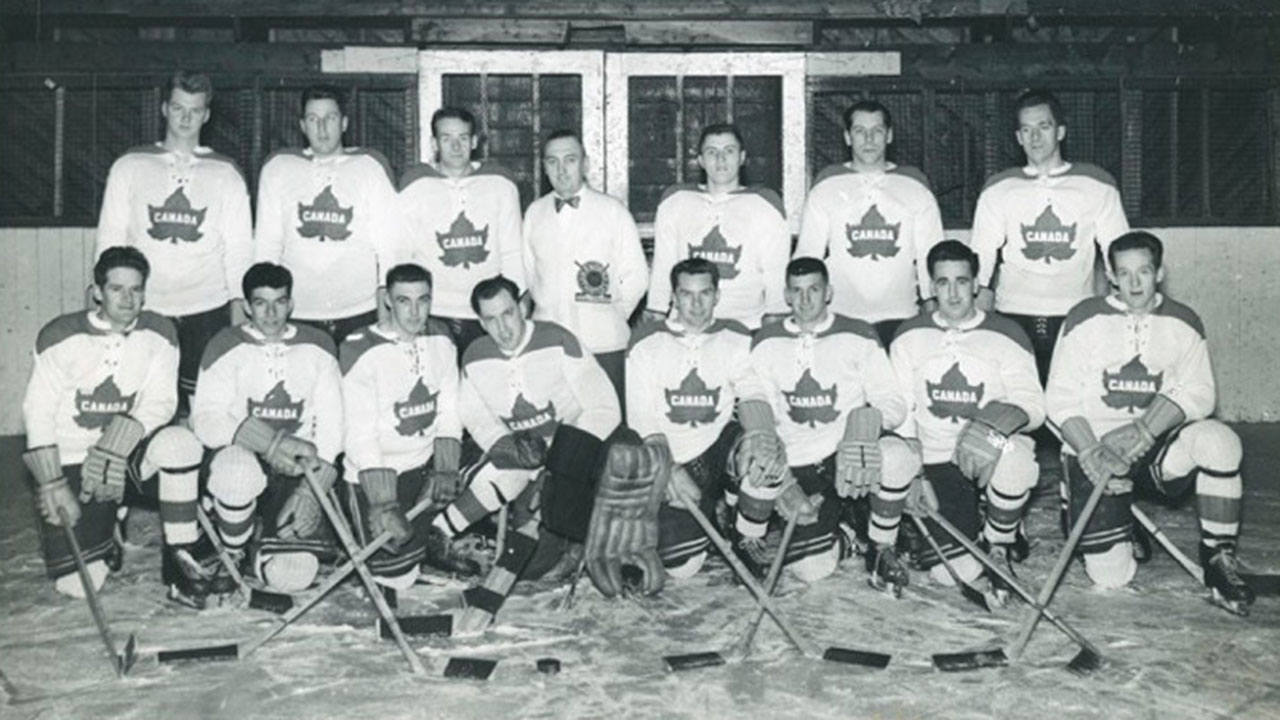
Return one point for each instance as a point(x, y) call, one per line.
point(1132, 390)
point(874, 222)
point(971, 384)
point(101, 392)
point(463, 220)
point(400, 392)
point(742, 230)
point(187, 209)
point(582, 253)
point(828, 383)
point(330, 214)
point(1047, 218)
point(532, 398)
point(269, 406)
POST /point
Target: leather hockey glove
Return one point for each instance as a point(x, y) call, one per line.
point(1100, 463)
point(284, 453)
point(444, 482)
point(761, 458)
point(301, 515)
point(102, 475)
point(519, 451)
point(385, 515)
point(52, 489)
point(624, 520)
point(793, 502)
point(984, 438)
point(1132, 441)
point(858, 456)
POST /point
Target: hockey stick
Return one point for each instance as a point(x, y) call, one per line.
point(691, 661)
point(832, 654)
point(353, 551)
point(121, 663)
point(1261, 584)
point(1064, 559)
point(970, 593)
point(258, 599)
point(1088, 659)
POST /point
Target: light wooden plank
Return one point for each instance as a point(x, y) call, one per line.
point(853, 63)
point(720, 32)
point(16, 321)
point(48, 280)
point(356, 59)
point(506, 32)
point(73, 273)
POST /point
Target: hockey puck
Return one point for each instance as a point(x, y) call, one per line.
point(549, 666)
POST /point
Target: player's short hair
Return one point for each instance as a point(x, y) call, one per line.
point(560, 135)
point(1039, 96)
point(408, 273)
point(1137, 240)
point(952, 250)
point(868, 106)
point(489, 288)
point(267, 275)
point(194, 83)
point(453, 113)
point(322, 92)
point(120, 256)
point(695, 266)
point(802, 266)
point(721, 129)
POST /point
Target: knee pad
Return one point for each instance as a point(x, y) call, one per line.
point(288, 572)
point(688, 568)
point(1016, 472)
point(171, 448)
point(966, 566)
point(1207, 444)
point(235, 477)
point(1113, 568)
point(813, 568)
point(901, 463)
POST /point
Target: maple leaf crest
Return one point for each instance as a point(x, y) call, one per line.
point(417, 412)
point(95, 408)
point(872, 237)
point(692, 403)
point(1048, 239)
point(278, 409)
point(952, 397)
point(1132, 387)
point(810, 403)
point(715, 248)
point(463, 245)
point(175, 220)
point(325, 218)
point(527, 416)
point(593, 282)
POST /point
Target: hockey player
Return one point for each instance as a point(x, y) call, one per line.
point(874, 222)
point(685, 374)
point(187, 209)
point(1044, 221)
point(330, 214)
point(582, 253)
point(1132, 390)
point(463, 221)
point(101, 392)
point(743, 230)
point(400, 391)
point(829, 393)
point(532, 398)
point(972, 390)
point(269, 407)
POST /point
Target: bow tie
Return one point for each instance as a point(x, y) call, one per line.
point(573, 202)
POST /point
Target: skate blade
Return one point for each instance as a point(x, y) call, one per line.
point(1235, 607)
point(194, 602)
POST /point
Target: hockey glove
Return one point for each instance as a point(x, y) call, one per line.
point(385, 515)
point(286, 454)
point(519, 451)
point(921, 498)
point(624, 521)
point(301, 515)
point(1131, 441)
point(1101, 464)
point(984, 438)
point(858, 456)
point(102, 475)
point(792, 502)
point(52, 490)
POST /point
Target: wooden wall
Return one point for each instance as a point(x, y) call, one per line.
point(1231, 276)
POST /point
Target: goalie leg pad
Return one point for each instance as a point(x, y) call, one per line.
point(901, 465)
point(958, 503)
point(624, 521)
point(573, 462)
point(1112, 568)
point(1014, 476)
point(1112, 522)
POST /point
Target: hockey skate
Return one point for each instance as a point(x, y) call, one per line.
point(754, 553)
point(184, 577)
point(443, 555)
point(1222, 576)
point(886, 571)
point(1002, 555)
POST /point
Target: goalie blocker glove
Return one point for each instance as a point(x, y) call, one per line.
point(102, 475)
point(52, 489)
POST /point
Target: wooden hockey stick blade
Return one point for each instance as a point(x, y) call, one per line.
point(693, 661)
point(90, 594)
point(470, 668)
point(278, 603)
point(200, 654)
point(976, 660)
point(969, 592)
point(1085, 662)
point(418, 625)
point(856, 657)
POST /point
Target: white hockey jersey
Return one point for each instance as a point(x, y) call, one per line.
point(948, 373)
point(189, 214)
point(743, 232)
point(874, 229)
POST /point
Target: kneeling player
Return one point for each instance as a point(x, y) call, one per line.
point(1131, 387)
point(104, 381)
point(971, 383)
point(400, 392)
point(832, 388)
point(532, 398)
point(269, 407)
